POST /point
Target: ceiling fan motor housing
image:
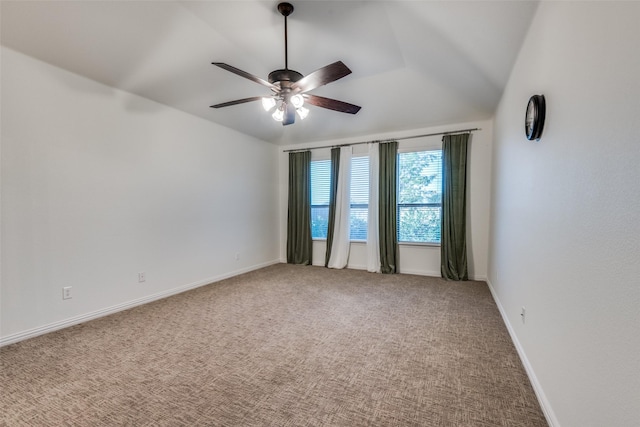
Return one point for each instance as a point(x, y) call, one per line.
point(284, 76)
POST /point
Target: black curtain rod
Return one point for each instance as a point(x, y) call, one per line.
point(385, 140)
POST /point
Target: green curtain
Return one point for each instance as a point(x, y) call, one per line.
point(387, 207)
point(453, 245)
point(335, 166)
point(299, 243)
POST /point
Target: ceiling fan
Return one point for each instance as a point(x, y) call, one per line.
point(290, 88)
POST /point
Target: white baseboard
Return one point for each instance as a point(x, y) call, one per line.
point(41, 330)
point(419, 272)
point(437, 274)
point(537, 387)
point(409, 271)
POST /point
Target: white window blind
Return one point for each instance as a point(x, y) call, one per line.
point(359, 197)
point(320, 188)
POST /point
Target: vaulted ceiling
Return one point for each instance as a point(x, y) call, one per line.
point(414, 64)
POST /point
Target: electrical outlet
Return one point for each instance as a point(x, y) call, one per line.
point(142, 277)
point(66, 292)
point(523, 312)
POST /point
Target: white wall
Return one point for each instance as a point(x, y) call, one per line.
point(99, 184)
point(417, 259)
point(565, 238)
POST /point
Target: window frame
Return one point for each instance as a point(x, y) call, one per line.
point(359, 205)
point(318, 159)
point(416, 147)
point(418, 144)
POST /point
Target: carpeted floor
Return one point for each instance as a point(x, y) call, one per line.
point(282, 346)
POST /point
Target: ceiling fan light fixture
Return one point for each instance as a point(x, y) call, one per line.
point(302, 112)
point(297, 101)
point(290, 88)
point(278, 115)
point(268, 103)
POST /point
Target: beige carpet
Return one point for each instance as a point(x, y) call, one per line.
point(281, 346)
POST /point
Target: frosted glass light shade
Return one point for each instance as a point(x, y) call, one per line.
point(297, 101)
point(268, 103)
point(302, 112)
point(278, 115)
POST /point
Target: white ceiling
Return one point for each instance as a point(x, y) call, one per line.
point(415, 63)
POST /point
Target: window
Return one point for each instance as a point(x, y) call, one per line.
point(359, 197)
point(320, 188)
point(419, 196)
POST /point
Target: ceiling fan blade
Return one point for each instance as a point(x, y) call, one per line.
point(289, 115)
point(331, 104)
point(237, 101)
point(246, 75)
point(324, 75)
